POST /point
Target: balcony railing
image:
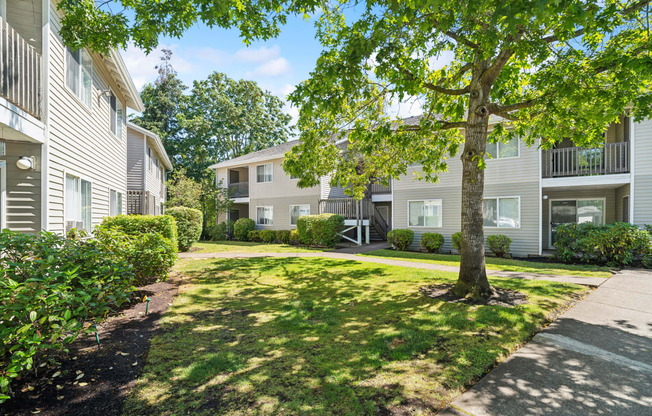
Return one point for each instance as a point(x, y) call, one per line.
point(610, 159)
point(238, 189)
point(20, 71)
point(349, 208)
point(380, 189)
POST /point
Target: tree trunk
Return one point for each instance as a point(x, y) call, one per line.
point(472, 281)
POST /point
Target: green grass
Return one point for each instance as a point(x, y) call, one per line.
point(494, 263)
point(318, 336)
point(247, 247)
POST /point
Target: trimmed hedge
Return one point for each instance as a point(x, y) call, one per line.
point(456, 241)
point(283, 236)
point(617, 245)
point(164, 225)
point(268, 236)
point(400, 239)
point(324, 230)
point(254, 236)
point(295, 238)
point(499, 244)
point(431, 242)
point(52, 289)
point(242, 227)
point(189, 225)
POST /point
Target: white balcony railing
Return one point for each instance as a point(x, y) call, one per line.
point(238, 189)
point(20, 71)
point(610, 159)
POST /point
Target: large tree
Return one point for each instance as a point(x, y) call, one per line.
point(541, 69)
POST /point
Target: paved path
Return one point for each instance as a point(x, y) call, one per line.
point(590, 281)
point(595, 359)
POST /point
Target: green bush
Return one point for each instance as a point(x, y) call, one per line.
point(283, 236)
point(189, 225)
point(254, 236)
point(456, 241)
point(617, 245)
point(400, 239)
point(51, 290)
point(431, 242)
point(324, 230)
point(268, 236)
point(295, 238)
point(242, 227)
point(499, 244)
point(164, 225)
point(222, 231)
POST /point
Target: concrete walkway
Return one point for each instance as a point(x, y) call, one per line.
point(589, 281)
point(595, 359)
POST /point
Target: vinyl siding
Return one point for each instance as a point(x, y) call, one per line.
point(153, 184)
point(135, 161)
point(23, 211)
point(282, 209)
point(642, 196)
point(80, 140)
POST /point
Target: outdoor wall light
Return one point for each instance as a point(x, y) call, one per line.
point(25, 162)
point(545, 197)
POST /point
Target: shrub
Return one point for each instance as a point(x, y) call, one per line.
point(222, 231)
point(400, 239)
point(617, 245)
point(456, 241)
point(242, 227)
point(52, 288)
point(283, 236)
point(164, 225)
point(254, 236)
point(295, 239)
point(189, 225)
point(499, 244)
point(268, 236)
point(431, 242)
point(323, 230)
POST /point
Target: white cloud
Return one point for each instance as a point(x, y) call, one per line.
point(275, 68)
point(258, 55)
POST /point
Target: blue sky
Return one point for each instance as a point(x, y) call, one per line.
point(277, 65)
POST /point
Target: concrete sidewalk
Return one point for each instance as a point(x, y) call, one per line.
point(595, 359)
point(589, 281)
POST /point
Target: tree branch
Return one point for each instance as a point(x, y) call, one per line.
point(456, 36)
point(443, 125)
point(434, 87)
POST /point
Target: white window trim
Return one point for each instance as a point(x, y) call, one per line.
point(87, 107)
point(67, 173)
point(298, 205)
point(271, 170)
point(520, 217)
point(441, 204)
point(265, 206)
point(518, 139)
point(119, 126)
point(550, 201)
point(149, 159)
point(119, 196)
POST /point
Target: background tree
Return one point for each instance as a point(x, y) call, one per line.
point(183, 191)
point(543, 69)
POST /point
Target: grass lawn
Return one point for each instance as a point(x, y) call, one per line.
point(494, 263)
point(318, 336)
point(247, 247)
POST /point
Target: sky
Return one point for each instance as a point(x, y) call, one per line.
point(276, 65)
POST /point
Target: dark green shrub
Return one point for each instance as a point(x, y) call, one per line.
point(242, 227)
point(499, 244)
point(295, 238)
point(189, 225)
point(400, 239)
point(617, 245)
point(283, 236)
point(254, 236)
point(268, 236)
point(51, 290)
point(456, 241)
point(431, 242)
point(222, 231)
point(324, 230)
point(164, 225)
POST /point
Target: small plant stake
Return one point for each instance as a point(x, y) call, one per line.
point(147, 299)
point(97, 336)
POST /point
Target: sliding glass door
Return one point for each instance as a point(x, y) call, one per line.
point(575, 211)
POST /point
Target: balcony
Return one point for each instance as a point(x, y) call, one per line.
point(238, 189)
point(20, 71)
point(612, 158)
point(380, 189)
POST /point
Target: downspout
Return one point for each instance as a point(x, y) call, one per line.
point(45, 114)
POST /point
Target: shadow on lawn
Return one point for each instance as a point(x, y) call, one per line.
point(326, 337)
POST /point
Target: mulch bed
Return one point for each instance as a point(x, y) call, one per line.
point(501, 297)
point(108, 372)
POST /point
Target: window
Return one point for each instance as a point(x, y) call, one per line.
point(264, 173)
point(79, 74)
point(425, 213)
point(626, 208)
point(149, 158)
point(158, 169)
point(78, 201)
point(297, 211)
point(265, 215)
point(501, 212)
point(116, 118)
point(115, 203)
point(501, 150)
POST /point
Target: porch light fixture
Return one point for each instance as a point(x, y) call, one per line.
point(545, 197)
point(25, 162)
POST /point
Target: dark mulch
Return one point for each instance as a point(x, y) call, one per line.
point(501, 297)
point(109, 371)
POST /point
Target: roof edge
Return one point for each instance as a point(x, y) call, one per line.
point(157, 140)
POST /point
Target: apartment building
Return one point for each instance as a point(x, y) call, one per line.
point(63, 136)
point(147, 168)
point(528, 191)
